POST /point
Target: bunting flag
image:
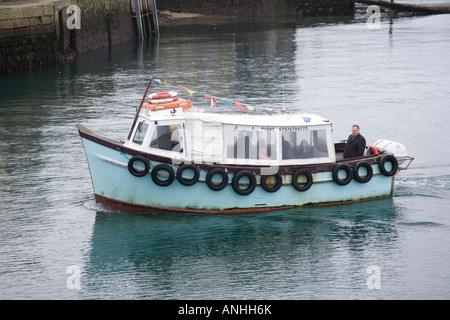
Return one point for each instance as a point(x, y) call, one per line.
point(239, 106)
point(213, 99)
point(228, 102)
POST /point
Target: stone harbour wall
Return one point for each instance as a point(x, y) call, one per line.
point(34, 33)
point(322, 7)
point(260, 8)
point(27, 35)
point(104, 23)
point(238, 8)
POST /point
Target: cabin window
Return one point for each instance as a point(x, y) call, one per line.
point(256, 143)
point(140, 132)
point(302, 143)
point(205, 141)
point(168, 137)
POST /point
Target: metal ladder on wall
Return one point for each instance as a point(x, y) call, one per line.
point(145, 13)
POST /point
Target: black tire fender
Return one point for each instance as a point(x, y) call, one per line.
point(335, 174)
point(237, 177)
point(274, 188)
point(164, 167)
point(184, 181)
point(382, 165)
point(363, 179)
point(309, 180)
point(211, 173)
point(138, 173)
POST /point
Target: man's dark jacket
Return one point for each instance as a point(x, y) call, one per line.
point(355, 146)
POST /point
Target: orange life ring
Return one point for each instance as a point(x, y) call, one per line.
point(373, 150)
point(162, 95)
point(160, 101)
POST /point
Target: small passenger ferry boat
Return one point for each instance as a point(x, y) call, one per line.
point(178, 158)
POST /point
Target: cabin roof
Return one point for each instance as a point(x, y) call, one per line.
point(286, 119)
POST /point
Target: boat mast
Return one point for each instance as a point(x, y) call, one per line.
point(139, 109)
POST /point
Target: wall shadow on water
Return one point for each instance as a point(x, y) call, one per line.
point(182, 256)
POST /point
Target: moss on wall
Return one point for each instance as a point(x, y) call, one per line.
point(104, 23)
point(36, 34)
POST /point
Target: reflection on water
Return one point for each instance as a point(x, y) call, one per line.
point(199, 256)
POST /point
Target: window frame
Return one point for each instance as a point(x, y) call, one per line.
point(331, 157)
point(258, 129)
point(142, 143)
point(164, 152)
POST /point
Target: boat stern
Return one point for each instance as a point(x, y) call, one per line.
point(397, 149)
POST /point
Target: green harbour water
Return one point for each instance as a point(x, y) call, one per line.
point(57, 243)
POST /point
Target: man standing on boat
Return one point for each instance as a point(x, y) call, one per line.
point(355, 145)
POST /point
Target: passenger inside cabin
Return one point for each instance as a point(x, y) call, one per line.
point(167, 138)
point(355, 145)
point(287, 147)
point(162, 140)
point(304, 144)
point(294, 147)
point(176, 139)
point(301, 151)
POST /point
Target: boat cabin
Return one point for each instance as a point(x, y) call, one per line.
point(263, 140)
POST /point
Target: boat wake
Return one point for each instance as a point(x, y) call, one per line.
point(425, 186)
